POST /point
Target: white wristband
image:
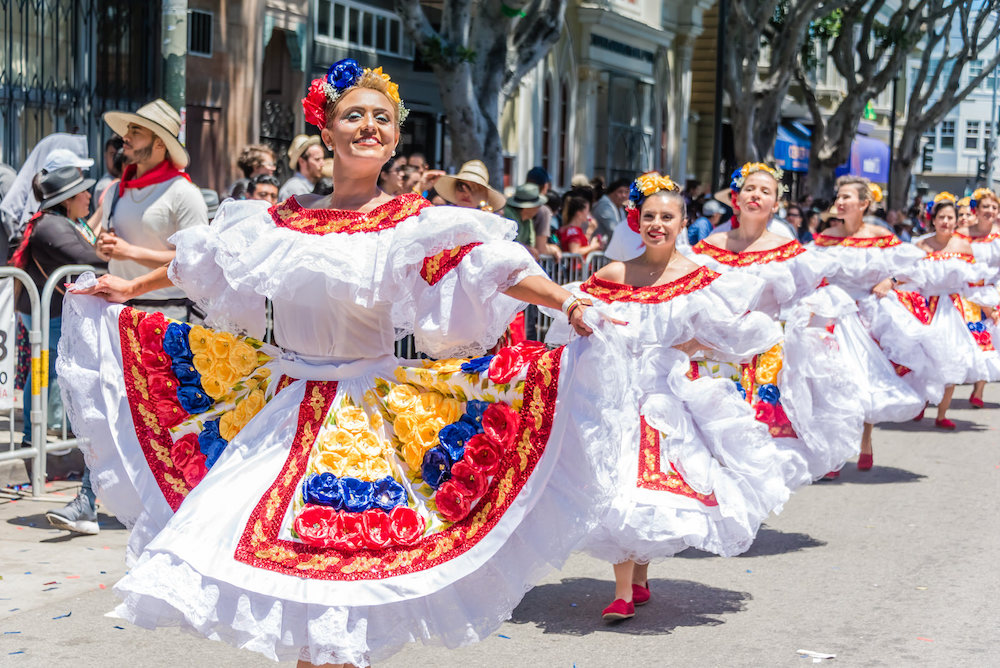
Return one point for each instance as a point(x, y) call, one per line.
point(569, 302)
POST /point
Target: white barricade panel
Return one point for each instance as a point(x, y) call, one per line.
point(8, 344)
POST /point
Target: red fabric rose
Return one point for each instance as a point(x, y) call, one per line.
point(377, 531)
point(468, 480)
point(482, 454)
point(314, 104)
point(632, 218)
point(530, 350)
point(406, 526)
point(169, 413)
point(780, 417)
point(187, 456)
point(155, 360)
point(765, 413)
point(314, 524)
point(504, 365)
point(452, 504)
point(500, 425)
point(151, 330)
point(162, 385)
point(348, 533)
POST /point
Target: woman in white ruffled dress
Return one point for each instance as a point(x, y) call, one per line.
point(320, 499)
point(697, 469)
point(955, 297)
point(984, 235)
point(896, 377)
point(801, 388)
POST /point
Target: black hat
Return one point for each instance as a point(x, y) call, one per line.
point(60, 184)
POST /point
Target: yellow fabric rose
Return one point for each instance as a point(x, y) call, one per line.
point(338, 463)
point(402, 397)
point(202, 362)
point(405, 425)
point(226, 374)
point(428, 403)
point(213, 387)
point(767, 373)
point(427, 433)
point(228, 426)
point(375, 468)
point(377, 422)
point(199, 339)
point(450, 410)
point(242, 358)
point(222, 344)
point(448, 365)
point(352, 418)
point(413, 455)
point(368, 444)
point(336, 440)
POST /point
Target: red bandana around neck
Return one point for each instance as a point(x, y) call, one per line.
point(162, 172)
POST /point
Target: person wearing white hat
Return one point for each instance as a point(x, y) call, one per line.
point(305, 156)
point(470, 188)
point(153, 200)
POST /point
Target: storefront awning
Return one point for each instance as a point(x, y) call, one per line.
point(791, 149)
point(869, 158)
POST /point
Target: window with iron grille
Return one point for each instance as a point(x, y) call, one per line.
point(199, 32)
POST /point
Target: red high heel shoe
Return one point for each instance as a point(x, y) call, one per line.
point(921, 416)
point(865, 462)
point(832, 475)
point(944, 423)
point(976, 402)
point(619, 609)
point(640, 594)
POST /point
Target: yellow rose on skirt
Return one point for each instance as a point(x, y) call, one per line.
point(352, 418)
point(242, 358)
point(198, 339)
point(222, 344)
point(402, 398)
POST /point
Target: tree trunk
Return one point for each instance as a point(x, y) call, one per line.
point(742, 122)
point(901, 175)
point(820, 178)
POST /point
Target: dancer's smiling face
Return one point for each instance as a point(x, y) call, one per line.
point(987, 209)
point(363, 126)
point(661, 219)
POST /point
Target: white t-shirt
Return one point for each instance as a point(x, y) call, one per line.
point(148, 217)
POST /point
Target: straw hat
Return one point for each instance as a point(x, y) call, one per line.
point(60, 184)
point(829, 213)
point(159, 117)
point(299, 146)
point(473, 171)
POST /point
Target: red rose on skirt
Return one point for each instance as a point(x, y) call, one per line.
point(151, 330)
point(500, 424)
point(468, 480)
point(187, 456)
point(315, 524)
point(155, 360)
point(406, 526)
point(452, 503)
point(765, 413)
point(169, 413)
point(377, 530)
point(349, 533)
point(162, 385)
point(482, 454)
point(505, 365)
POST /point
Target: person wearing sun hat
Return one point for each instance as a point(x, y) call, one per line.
point(470, 188)
point(305, 156)
point(153, 200)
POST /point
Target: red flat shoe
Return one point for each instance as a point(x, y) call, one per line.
point(921, 416)
point(865, 462)
point(944, 423)
point(619, 609)
point(640, 594)
point(976, 402)
point(832, 475)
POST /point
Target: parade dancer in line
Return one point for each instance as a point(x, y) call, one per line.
point(800, 388)
point(320, 499)
point(697, 469)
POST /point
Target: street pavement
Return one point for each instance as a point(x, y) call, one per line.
point(894, 567)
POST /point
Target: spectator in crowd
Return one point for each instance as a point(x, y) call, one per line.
point(114, 163)
point(264, 187)
point(470, 188)
point(597, 186)
point(521, 208)
point(391, 178)
point(211, 202)
point(795, 218)
point(435, 198)
point(305, 156)
point(153, 200)
point(56, 236)
point(701, 227)
point(410, 179)
point(418, 160)
point(542, 220)
point(254, 160)
point(810, 227)
point(609, 211)
point(577, 233)
point(554, 202)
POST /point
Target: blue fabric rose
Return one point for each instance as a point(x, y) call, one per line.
point(175, 342)
point(734, 179)
point(324, 489)
point(635, 194)
point(388, 494)
point(193, 399)
point(211, 443)
point(436, 468)
point(343, 73)
point(474, 410)
point(769, 393)
point(976, 326)
point(453, 438)
point(739, 388)
point(186, 373)
point(477, 365)
point(357, 494)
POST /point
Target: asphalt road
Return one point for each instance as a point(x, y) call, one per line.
point(894, 567)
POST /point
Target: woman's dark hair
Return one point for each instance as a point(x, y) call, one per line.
point(572, 206)
point(323, 187)
point(940, 206)
point(265, 179)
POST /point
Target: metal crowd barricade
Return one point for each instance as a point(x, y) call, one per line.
point(64, 441)
point(37, 417)
point(595, 261)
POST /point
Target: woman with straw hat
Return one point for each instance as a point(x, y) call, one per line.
point(470, 188)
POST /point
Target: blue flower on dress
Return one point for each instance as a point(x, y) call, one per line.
point(477, 364)
point(186, 373)
point(453, 438)
point(976, 326)
point(388, 494)
point(324, 489)
point(739, 388)
point(357, 494)
point(769, 393)
point(175, 342)
point(474, 410)
point(436, 468)
point(344, 73)
point(193, 399)
point(211, 443)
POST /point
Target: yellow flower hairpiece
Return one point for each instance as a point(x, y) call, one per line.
point(964, 201)
point(393, 89)
point(980, 193)
point(876, 191)
point(740, 176)
point(653, 182)
point(944, 197)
